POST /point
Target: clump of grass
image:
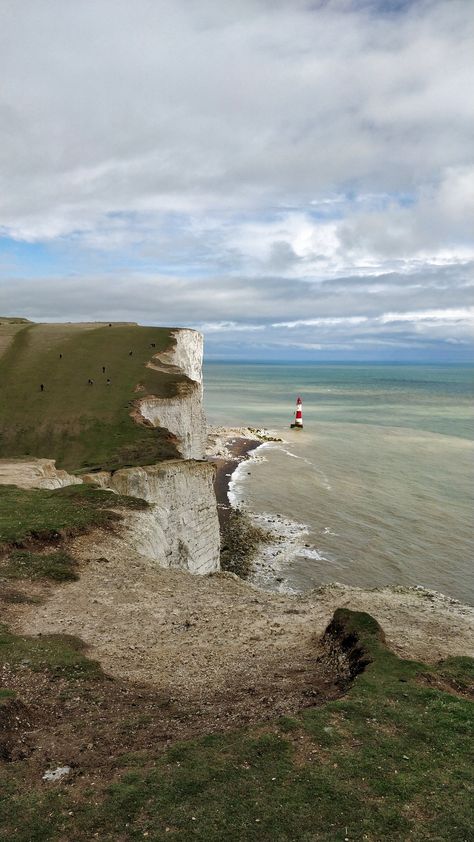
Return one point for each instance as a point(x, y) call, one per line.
point(60, 654)
point(22, 564)
point(240, 543)
point(6, 694)
point(40, 515)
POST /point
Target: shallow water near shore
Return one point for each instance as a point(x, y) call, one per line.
point(378, 487)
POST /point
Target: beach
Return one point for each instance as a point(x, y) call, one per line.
point(228, 449)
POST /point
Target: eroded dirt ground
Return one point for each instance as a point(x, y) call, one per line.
point(187, 655)
point(192, 637)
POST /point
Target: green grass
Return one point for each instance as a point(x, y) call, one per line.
point(391, 760)
point(81, 426)
point(61, 655)
point(21, 564)
point(40, 515)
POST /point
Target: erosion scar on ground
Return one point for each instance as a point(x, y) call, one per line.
point(195, 637)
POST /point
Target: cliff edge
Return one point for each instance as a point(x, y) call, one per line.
point(134, 426)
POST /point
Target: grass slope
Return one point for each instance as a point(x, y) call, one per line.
point(81, 426)
point(41, 515)
point(390, 760)
point(23, 564)
point(58, 654)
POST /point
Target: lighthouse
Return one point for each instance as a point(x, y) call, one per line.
point(298, 422)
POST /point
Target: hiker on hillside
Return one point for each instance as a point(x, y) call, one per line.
point(103, 369)
point(91, 382)
point(41, 387)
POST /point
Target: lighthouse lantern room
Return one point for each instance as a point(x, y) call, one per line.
point(298, 422)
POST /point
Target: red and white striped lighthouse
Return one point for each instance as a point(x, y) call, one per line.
point(298, 422)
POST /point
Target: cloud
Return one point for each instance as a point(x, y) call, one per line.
point(463, 315)
point(184, 107)
point(238, 166)
point(239, 319)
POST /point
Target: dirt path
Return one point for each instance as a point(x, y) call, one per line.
point(193, 637)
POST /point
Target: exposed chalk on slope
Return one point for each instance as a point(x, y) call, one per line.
point(34, 473)
point(183, 414)
point(185, 355)
point(181, 529)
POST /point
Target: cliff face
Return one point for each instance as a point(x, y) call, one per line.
point(185, 356)
point(182, 414)
point(180, 529)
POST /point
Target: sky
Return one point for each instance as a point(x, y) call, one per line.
point(295, 179)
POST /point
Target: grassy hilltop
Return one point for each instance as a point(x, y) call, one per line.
point(82, 426)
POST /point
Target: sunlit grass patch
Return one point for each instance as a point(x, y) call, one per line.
point(59, 654)
point(37, 514)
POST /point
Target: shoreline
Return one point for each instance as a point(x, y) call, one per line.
point(286, 536)
point(240, 452)
point(237, 448)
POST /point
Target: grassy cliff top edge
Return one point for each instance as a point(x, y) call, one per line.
point(67, 390)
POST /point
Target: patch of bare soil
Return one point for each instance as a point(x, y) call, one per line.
point(186, 655)
point(183, 656)
point(448, 685)
point(189, 634)
point(93, 725)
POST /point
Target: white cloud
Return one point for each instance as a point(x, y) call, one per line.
point(233, 327)
point(460, 314)
point(109, 106)
point(240, 165)
point(324, 322)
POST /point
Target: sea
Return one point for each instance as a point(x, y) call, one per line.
point(378, 487)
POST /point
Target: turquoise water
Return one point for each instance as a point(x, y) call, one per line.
point(382, 474)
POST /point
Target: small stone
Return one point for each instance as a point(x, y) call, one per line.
point(56, 774)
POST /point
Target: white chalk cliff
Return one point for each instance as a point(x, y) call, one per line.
point(183, 414)
point(34, 473)
point(180, 529)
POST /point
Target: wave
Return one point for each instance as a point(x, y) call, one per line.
point(285, 545)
